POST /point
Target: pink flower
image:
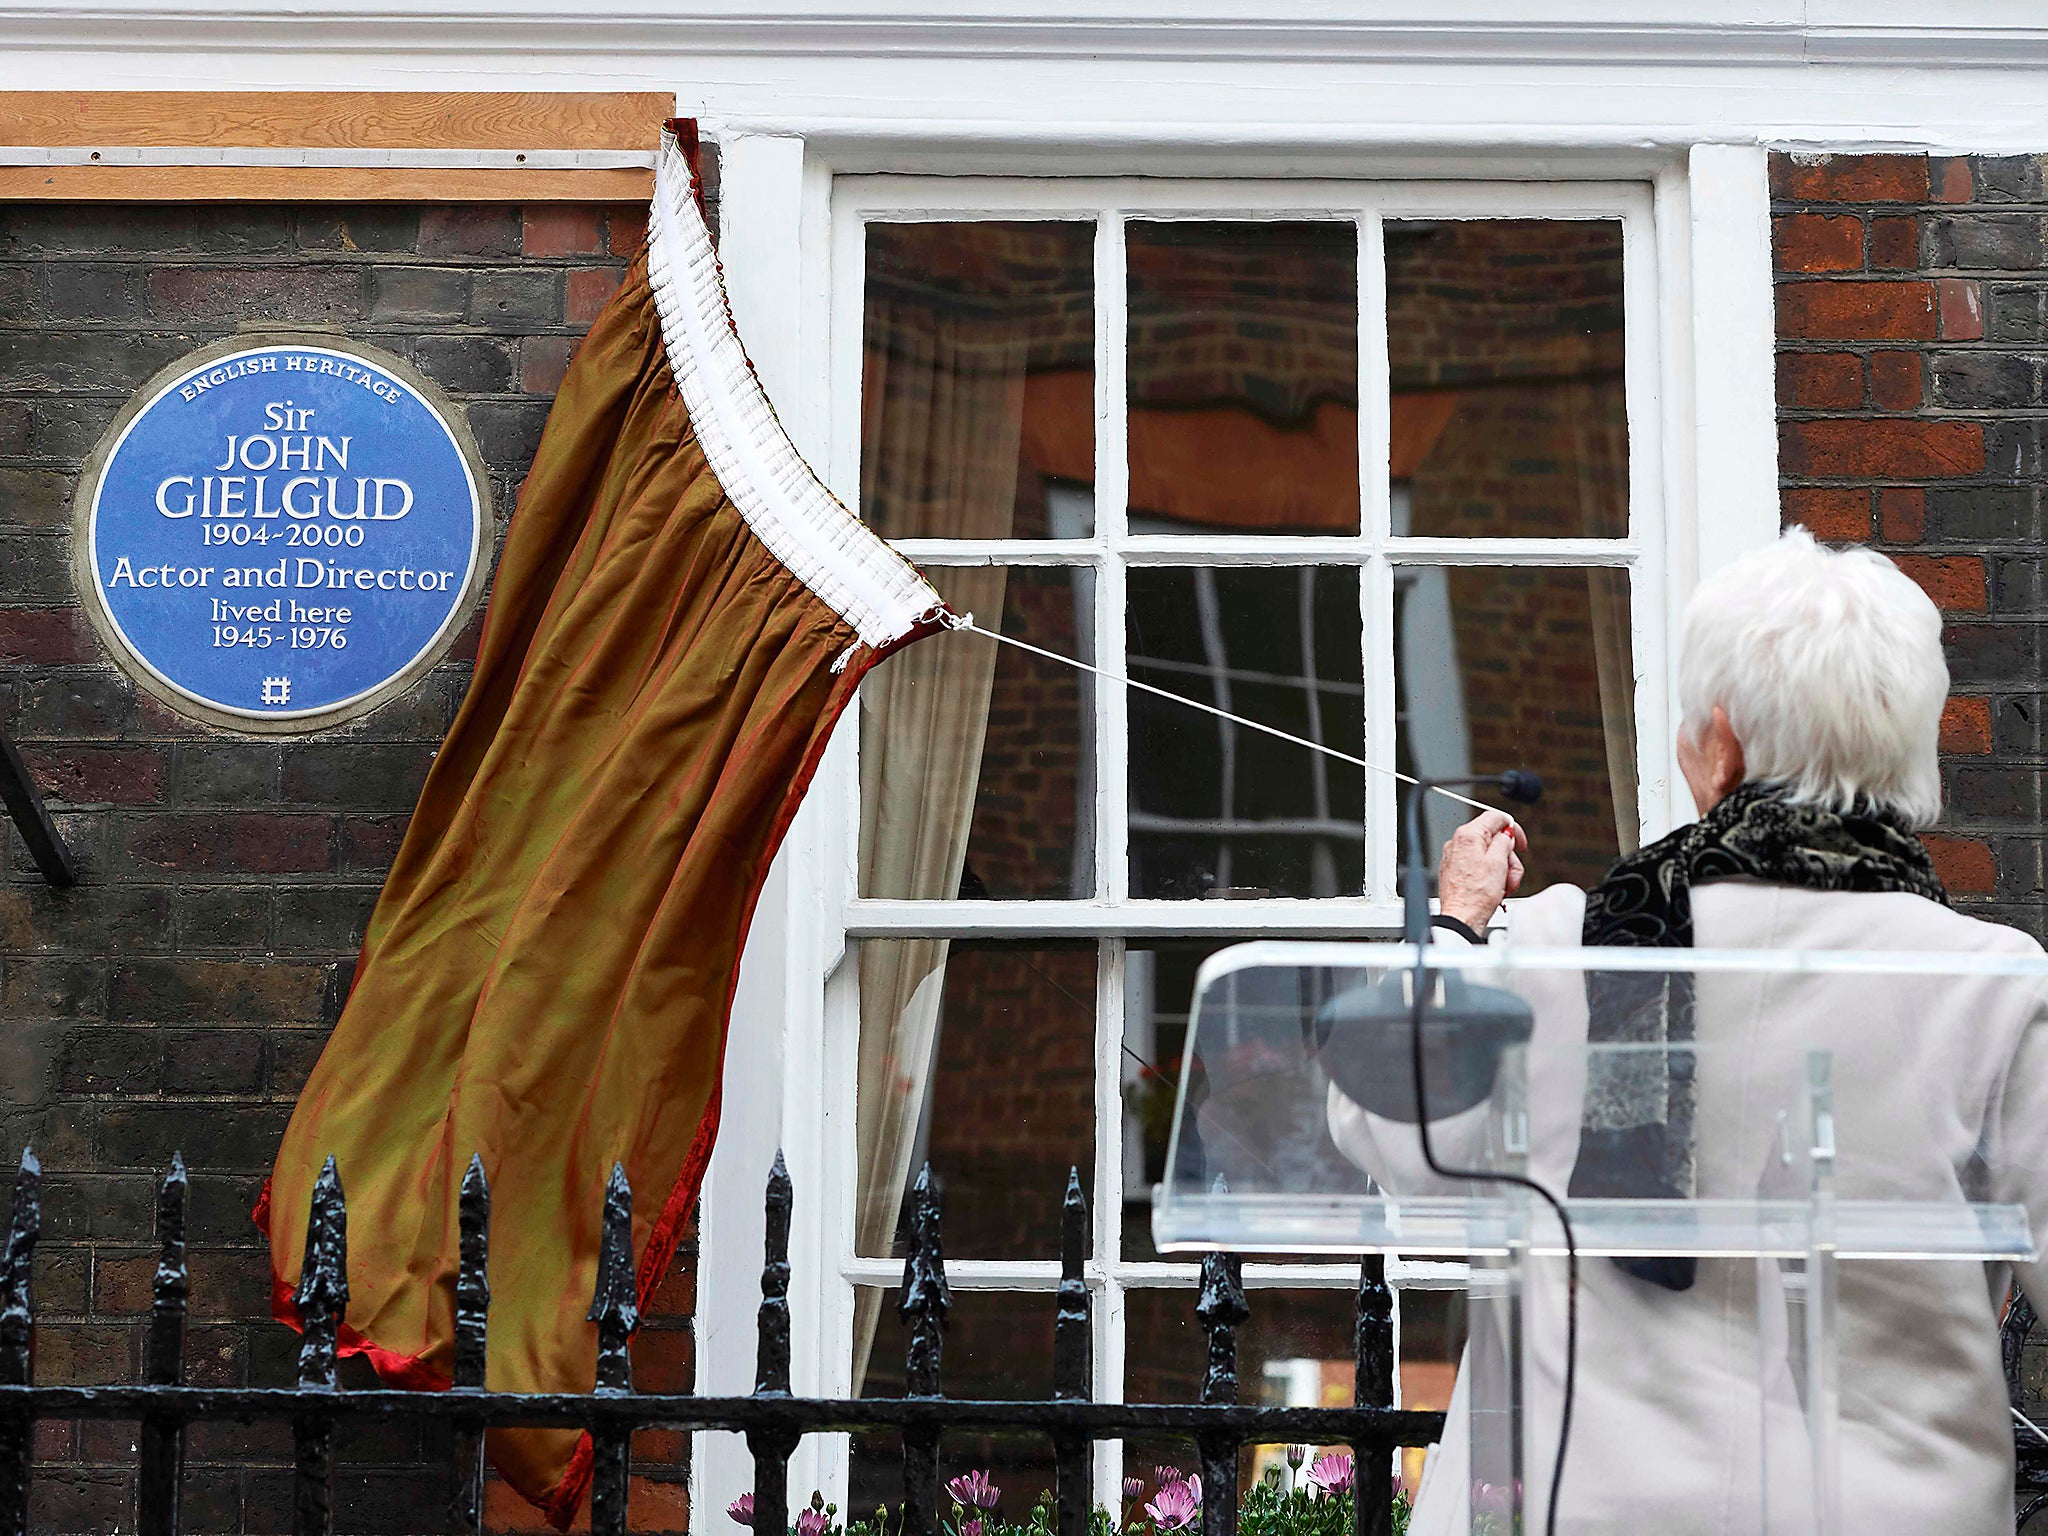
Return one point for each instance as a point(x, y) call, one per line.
point(1175, 1506)
point(812, 1522)
point(974, 1491)
point(741, 1509)
point(1164, 1475)
point(1493, 1498)
point(1134, 1487)
point(1331, 1472)
point(971, 1527)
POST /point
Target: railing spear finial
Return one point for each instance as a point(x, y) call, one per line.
point(1222, 1309)
point(17, 1327)
point(472, 1343)
point(158, 1492)
point(925, 1304)
point(616, 1311)
point(322, 1301)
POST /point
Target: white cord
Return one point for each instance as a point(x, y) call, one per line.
point(965, 621)
point(2037, 1429)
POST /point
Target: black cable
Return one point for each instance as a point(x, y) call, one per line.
point(1416, 879)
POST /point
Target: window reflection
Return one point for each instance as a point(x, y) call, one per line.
point(977, 760)
point(1523, 667)
point(1220, 811)
point(1243, 377)
point(1505, 344)
point(978, 389)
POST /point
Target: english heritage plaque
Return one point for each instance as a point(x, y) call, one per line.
point(282, 531)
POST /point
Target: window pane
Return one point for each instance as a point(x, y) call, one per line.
point(1523, 667)
point(1432, 1342)
point(978, 394)
point(1217, 810)
point(998, 1345)
point(978, 1058)
point(1296, 1351)
point(1243, 377)
point(1159, 989)
point(977, 759)
point(1235, 1087)
point(1505, 342)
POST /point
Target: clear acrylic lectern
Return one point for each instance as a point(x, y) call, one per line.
point(1725, 1132)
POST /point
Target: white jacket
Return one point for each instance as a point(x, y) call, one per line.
point(1930, 1077)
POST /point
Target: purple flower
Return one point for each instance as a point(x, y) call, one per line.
point(1164, 1475)
point(971, 1526)
point(1134, 1487)
point(741, 1509)
point(974, 1491)
point(1331, 1472)
point(1175, 1506)
point(812, 1522)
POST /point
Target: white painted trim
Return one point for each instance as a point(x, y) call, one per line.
point(1781, 33)
point(760, 212)
point(1734, 429)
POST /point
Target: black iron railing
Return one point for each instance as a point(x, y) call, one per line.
point(772, 1419)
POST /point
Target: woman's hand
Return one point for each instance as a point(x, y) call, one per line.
point(1481, 868)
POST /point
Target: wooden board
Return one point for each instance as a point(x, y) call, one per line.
point(338, 119)
point(316, 184)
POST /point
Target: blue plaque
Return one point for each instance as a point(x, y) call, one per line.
point(280, 533)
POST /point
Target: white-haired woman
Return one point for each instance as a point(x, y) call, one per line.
point(1811, 687)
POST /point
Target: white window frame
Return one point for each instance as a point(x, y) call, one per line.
point(1697, 307)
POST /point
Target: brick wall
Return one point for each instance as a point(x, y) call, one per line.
point(1911, 302)
point(1911, 298)
point(176, 999)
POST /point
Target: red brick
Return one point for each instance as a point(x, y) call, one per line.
point(658, 1508)
point(662, 1445)
point(562, 229)
point(1895, 380)
point(469, 229)
point(1966, 727)
point(628, 223)
point(1817, 242)
point(1857, 311)
point(676, 1296)
point(1834, 516)
point(371, 842)
point(99, 775)
point(1965, 864)
point(506, 1511)
point(1902, 514)
point(45, 637)
point(544, 362)
point(1820, 381)
point(1895, 243)
point(589, 288)
point(255, 843)
point(1952, 180)
point(664, 1360)
point(1962, 309)
point(1856, 178)
point(1955, 582)
point(1888, 448)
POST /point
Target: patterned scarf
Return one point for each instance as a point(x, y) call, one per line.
point(1636, 1135)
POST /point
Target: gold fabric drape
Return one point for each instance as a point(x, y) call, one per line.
point(547, 977)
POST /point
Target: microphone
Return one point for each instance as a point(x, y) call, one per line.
point(1516, 784)
point(1522, 786)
